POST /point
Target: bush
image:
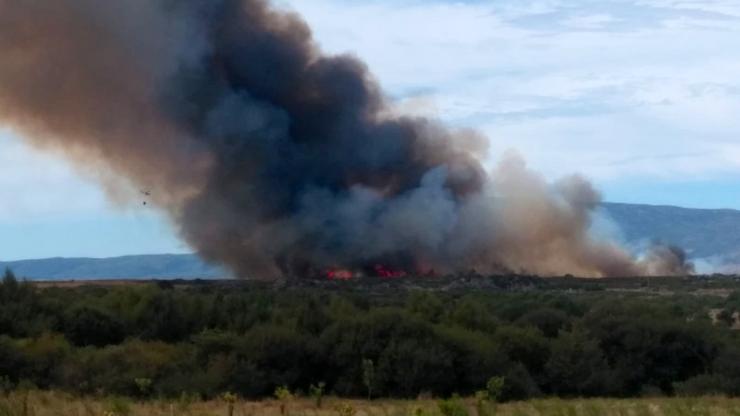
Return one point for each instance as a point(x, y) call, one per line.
point(6, 386)
point(203, 339)
point(345, 409)
point(548, 320)
point(119, 406)
point(317, 393)
point(87, 326)
point(495, 388)
point(519, 384)
point(452, 407)
point(12, 362)
point(576, 366)
point(703, 385)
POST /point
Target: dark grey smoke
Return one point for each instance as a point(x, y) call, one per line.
point(273, 158)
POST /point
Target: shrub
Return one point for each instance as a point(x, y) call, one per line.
point(317, 393)
point(230, 399)
point(452, 407)
point(119, 406)
point(283, 394)
point(144, 385)
point(87, 326)
point(495, 388)
point(345, 409)
point(702, 385)
point(482, 404)
point(5, 385)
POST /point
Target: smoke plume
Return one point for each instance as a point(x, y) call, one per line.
point(275, 159)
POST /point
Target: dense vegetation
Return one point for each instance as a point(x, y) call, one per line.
point(160, 340)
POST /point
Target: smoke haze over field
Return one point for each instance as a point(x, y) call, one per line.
point(274, 159)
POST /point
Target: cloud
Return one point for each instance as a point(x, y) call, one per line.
point(608, 89)
point(729, 8)
point(590, 22)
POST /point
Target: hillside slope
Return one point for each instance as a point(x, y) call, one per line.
point(159, 266)
point(703, 233)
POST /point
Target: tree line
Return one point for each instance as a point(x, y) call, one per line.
point(156, 340)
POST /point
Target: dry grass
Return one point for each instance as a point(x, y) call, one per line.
point(60, 404)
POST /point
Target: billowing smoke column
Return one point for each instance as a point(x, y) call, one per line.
point(274, 159)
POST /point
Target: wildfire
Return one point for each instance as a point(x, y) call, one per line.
point(339, 274)
point(378, 270)
point(383, 271)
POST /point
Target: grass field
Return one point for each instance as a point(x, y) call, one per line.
point(59, 404)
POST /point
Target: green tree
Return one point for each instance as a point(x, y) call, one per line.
point(87, 326)
point(548, 320)
point(577, 366)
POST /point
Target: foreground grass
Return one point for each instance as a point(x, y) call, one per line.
point(60, 404)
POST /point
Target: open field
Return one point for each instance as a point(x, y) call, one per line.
point(58, 404)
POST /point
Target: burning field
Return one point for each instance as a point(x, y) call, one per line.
point(275, 159)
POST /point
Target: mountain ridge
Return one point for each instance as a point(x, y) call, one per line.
point(710, 237)
point(148, 266)
point(707, 235)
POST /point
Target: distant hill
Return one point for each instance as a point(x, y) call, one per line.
point(158, 266)
point(711, 236)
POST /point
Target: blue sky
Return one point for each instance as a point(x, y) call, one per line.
point(641, 96)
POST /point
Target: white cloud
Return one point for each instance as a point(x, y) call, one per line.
point(589, 22)
point(722, 7)
point(614, 89)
